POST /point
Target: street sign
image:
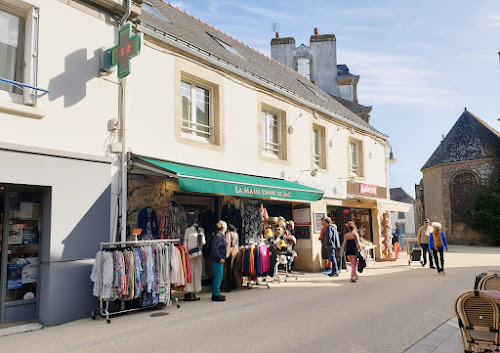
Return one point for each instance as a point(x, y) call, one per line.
point(128, 46)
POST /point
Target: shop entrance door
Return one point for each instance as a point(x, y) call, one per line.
point(21, 226)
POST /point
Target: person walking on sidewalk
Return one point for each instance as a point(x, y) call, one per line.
point(351, 244)
point(324, 249)
point(217, 256)
point(423, 237)
point(437, 242)
point(397, 232)
point(332, 243)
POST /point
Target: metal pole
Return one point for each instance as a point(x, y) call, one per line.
point(123, 162)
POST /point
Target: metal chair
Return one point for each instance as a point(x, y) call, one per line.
point(490, 282)
point(478, 317)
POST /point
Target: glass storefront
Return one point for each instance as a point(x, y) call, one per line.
point(362, 217)
point(21, 226)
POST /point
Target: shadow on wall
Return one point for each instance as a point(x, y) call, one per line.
point(84, 240)
point(72, 83)
point(69, 294)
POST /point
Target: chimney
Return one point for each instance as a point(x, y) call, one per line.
point(283, 50)
point(324, 62)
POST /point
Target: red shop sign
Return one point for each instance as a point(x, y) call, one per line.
point(368, 189)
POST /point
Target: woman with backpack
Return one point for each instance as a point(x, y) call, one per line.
point(351, 244)
point(216, 256)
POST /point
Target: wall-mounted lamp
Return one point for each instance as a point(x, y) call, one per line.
point(392, 160)
point(290, 128)
point(330, 141)
point(370, 154)
point(313, 172)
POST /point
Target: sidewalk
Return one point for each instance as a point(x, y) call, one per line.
point(444, 339)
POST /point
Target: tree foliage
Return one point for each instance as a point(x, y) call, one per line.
point(485, 209)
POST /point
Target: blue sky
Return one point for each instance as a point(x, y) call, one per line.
point(421, 62)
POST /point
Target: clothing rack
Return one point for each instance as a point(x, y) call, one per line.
point(104, 303)
point(256, 282)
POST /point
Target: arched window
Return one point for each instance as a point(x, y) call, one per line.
point(462, 185)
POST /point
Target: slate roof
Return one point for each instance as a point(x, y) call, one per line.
point(469, 139)
point(398, 194)
point(343, 71)
point(197, 34)
point(352, 105)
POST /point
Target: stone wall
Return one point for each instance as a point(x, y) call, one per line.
point(148, 190)
point(438, 198)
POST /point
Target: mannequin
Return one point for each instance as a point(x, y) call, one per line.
point(194, 239)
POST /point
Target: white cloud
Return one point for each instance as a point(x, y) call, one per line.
point(493, 57)
point(180, 4)
point(494, 21)
point(213, 7)
point(396, 79)
point(261, 11)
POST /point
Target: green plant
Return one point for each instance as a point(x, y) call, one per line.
point(485, 209)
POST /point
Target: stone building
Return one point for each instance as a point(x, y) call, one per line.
point(466, 157)
point(318, 63)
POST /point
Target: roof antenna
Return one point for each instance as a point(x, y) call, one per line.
point(276, 28)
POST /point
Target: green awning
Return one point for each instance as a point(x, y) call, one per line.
point(209, 181)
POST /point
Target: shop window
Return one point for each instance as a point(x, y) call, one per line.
point(17, 60)
point(197, 116)
point(271, 134)
point(355, 158)
point(319, 159)
point(463, 186)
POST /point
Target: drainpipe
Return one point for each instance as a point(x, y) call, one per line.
point(122, 107)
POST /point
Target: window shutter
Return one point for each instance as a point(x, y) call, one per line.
point(31, 54)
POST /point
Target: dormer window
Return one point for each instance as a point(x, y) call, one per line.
point(226, 46)
point(149, 8)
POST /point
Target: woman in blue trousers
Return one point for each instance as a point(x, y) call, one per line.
point(218, 249)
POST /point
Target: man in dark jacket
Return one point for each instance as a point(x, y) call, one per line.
point(332, 242)
point(217, 256)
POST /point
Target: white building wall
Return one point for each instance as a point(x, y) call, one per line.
point(151, 125)
point(81, 102)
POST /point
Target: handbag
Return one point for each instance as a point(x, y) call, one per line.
point(361, 262)
point(361, 259)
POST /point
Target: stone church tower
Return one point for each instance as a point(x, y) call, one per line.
point(466, 157)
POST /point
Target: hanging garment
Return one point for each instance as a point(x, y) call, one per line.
point(265, 258)
point(102, 274)
point(252, 270)
point(148, 222)
point(232, 216)
point(177, 276)
point(150, 275)
point(246, 261)
point(96, 275)
point(138, 273)
point(258, 264)
point(173, 222)
point(252, 222)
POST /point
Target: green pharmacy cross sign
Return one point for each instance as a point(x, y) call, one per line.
point(128, 46)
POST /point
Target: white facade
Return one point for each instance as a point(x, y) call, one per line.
point(58, 147)
point(61, 144)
